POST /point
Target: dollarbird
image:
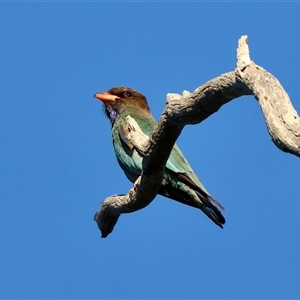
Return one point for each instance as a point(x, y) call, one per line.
point(180, 182)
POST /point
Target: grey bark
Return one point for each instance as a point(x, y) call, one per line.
point(248, 78)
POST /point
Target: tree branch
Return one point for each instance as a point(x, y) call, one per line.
point(192, 108)
point(281, 118)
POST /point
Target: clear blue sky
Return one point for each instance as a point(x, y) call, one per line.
point(57, 161)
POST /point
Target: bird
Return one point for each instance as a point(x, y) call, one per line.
point(180, 182)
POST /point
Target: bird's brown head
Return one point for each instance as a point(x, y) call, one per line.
point(122, 99)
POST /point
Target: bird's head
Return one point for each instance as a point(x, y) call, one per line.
point(122, 99)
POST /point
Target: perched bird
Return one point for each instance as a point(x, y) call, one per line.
point(180, 182)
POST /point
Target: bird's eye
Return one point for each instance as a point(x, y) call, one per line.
point(128, 94)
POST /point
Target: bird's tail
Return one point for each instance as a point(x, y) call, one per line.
point(210, 210)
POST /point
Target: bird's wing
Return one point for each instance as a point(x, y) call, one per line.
point(179, 165)
point(176, 164)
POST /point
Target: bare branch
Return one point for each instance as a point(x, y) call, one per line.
point(243, 55)
point(192, 108)
point(136, 136)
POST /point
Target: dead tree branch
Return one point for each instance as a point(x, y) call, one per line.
point(192, 108)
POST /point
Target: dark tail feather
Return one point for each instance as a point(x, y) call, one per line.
point(211, 211)
point(191, 184)
point(188, 196)
point(211, 198)
point(215, 216)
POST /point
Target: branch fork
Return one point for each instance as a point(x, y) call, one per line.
point(281, 118)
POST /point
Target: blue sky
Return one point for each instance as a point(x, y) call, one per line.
point(57, 161)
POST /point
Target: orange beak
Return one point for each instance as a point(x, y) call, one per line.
point(105, 97)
